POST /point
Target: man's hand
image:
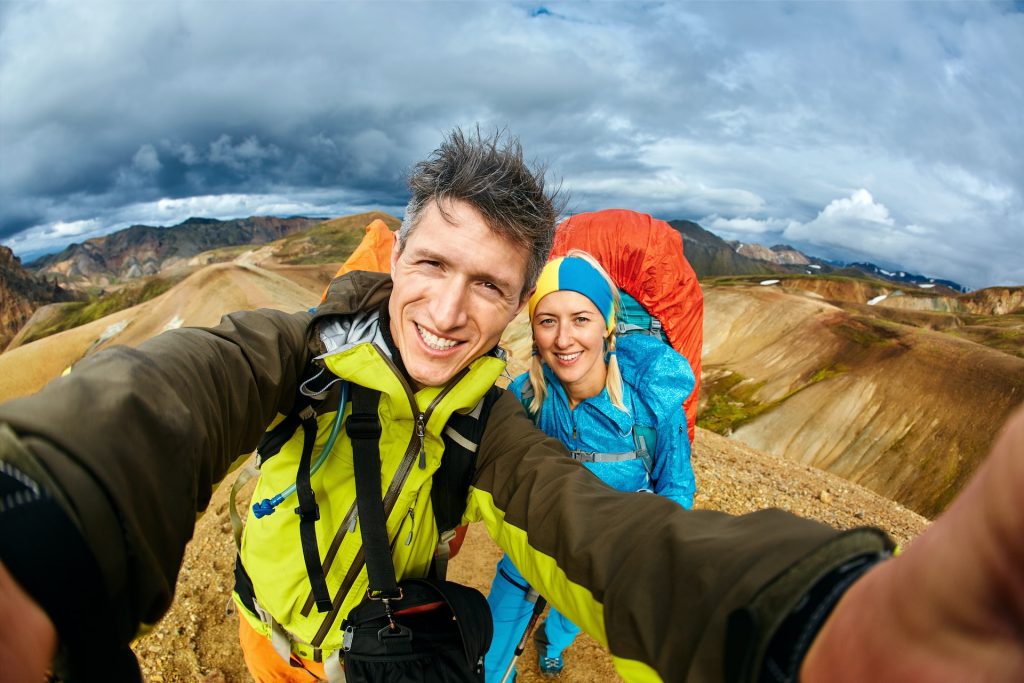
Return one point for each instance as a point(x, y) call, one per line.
point(29, 640)
point(951, 608)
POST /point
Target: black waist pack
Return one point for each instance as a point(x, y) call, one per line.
point(437, 631)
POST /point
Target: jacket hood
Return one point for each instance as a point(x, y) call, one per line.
point(355, 292)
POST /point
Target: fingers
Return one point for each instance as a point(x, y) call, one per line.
point(952, 606)
point(28, 640)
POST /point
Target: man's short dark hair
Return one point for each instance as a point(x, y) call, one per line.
point(489, 174)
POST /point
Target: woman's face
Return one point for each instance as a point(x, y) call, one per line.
point(569, 333)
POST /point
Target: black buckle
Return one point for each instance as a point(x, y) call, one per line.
point(394, 633)
point(381, 595)
point(363, 427)
point(312, 514)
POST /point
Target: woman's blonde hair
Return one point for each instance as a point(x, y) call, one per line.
point(613, 378)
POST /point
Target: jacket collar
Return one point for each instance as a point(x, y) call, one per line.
point(600, 403)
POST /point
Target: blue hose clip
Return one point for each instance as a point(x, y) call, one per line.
point(266, 506)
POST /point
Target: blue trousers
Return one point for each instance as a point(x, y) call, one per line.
point(511, 610)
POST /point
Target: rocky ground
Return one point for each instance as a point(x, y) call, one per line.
point(197, 640)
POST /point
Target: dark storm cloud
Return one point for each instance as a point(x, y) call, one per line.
point(769, 121)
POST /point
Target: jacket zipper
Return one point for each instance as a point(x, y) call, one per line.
point(391, 497)
point(412, 525)
point(421, 432)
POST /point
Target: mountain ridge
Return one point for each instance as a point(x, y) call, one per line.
point(142, 250)
point(21, 292)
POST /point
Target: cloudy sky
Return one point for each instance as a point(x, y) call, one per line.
point(882, 131)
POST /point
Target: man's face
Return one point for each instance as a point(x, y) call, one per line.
point(457, 285)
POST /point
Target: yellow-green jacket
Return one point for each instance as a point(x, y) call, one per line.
point(411, 446)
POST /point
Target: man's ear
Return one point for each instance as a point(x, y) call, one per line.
point(396, 251)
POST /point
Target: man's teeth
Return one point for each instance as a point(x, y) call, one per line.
point(435, 342)
point(568, 356)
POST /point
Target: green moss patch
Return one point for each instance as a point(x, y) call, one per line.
point(79, 313)
point(730, 404)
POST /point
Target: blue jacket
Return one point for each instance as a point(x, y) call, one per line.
point(656, 380)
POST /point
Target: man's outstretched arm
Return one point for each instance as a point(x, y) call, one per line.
point(109, 466)
point(703, 596)
point(951, 608)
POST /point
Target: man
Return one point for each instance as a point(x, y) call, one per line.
point(102, 473)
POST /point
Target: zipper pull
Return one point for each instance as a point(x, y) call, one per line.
point(355, 518)
point(412, 525)
point(421, 432)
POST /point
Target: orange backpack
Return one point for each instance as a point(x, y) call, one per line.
point(372, 254)
point(645, 258)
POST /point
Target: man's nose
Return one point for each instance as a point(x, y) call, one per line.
point(450, 307)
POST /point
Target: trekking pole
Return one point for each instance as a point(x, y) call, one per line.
point(539, 603)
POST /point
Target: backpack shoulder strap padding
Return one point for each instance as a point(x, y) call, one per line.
point(313, 388)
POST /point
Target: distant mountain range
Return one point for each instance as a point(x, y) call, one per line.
point(909, 278)
point(109, 262)
point(146, 250)
point(710, 255)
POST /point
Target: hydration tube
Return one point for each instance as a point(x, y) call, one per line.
point(268, 505)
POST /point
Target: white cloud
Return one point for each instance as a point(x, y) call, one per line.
point(857, 224)
point(246, 155)
point(185, 152)
point(146, 160)
point(858, 210)
point(743, 226)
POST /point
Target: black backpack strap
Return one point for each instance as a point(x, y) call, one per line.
point(364, 430)
point(309, 512)
point(451, 482)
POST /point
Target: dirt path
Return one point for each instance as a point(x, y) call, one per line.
point(197, 640)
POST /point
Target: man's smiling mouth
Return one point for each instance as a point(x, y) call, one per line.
point(435, 342)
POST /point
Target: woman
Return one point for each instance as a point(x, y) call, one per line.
point(616, 404)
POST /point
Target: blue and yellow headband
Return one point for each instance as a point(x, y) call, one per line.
point(576, 275)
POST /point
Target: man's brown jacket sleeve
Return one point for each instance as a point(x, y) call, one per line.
point(694, 594)
point(131, 444)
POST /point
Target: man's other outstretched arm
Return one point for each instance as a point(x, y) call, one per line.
point(118, 458)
